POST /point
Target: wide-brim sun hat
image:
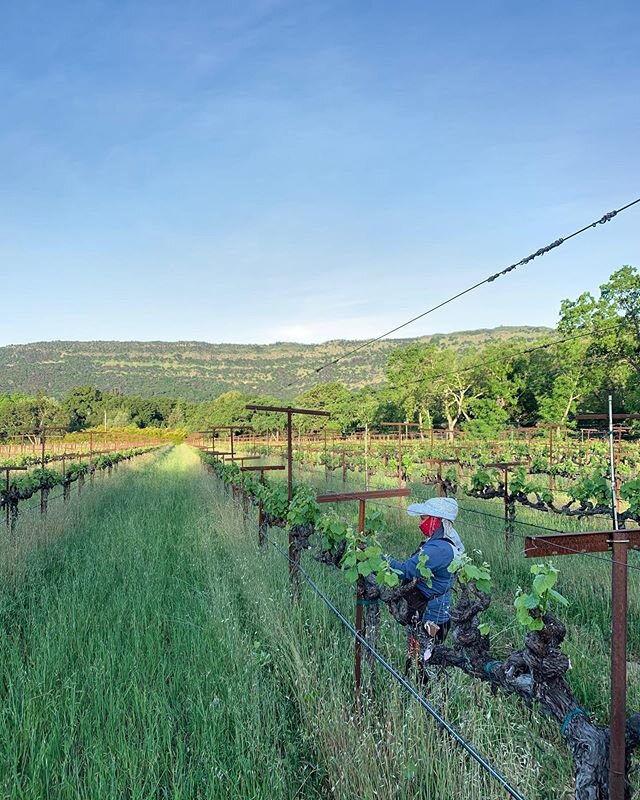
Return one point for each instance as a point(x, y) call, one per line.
point(443, 507)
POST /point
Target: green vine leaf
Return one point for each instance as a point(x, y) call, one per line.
point(531, 606)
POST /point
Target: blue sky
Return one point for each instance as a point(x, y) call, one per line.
point(264, 170)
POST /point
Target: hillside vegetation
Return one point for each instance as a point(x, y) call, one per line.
point(200, 371)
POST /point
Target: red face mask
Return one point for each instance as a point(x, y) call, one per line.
point(430, 525)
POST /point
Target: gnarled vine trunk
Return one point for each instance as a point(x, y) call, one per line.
point(537, 673)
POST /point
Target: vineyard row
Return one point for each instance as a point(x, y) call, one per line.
point(536, 672)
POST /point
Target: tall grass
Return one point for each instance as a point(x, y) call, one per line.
point(126, 670)
point(150, 649)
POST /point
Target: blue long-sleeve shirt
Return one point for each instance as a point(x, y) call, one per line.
point(440, 553)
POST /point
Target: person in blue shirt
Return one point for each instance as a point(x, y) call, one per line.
point(441, 546)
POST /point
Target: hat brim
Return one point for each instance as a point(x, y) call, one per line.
point(418, 510)
point(435, 507)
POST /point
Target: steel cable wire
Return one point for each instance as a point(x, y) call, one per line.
point(37, 507)
point(541, 251)
point(570, 550)
point(483, 513)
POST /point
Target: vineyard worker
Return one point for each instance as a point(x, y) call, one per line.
point(441, 546)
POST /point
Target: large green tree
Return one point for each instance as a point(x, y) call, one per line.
point(410, 372)
point(82, 405)
point(267, 421)
point(433, 384)
point(29, 415)
point(333, 397)
point(227, 409)
point(609, 359)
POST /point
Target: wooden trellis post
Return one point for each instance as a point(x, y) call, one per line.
point(399, 426)
point(619, 542)
point(551, 427)
point(440, 462)
point(44, 493)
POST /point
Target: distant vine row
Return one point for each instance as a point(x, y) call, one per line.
point(23, 487)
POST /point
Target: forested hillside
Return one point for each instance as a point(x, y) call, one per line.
point(200, 371)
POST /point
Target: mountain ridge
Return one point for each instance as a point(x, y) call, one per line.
point(197, 370)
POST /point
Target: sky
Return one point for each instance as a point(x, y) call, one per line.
point(272, 170)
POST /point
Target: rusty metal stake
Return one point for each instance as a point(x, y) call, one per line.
point(362, 498)
point(618, 542)
point(619, 607)
point(360, 629)
point(43, 492)
point(508, 521)
point(289, 411)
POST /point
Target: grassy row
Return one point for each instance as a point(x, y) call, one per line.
point(125, 670)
